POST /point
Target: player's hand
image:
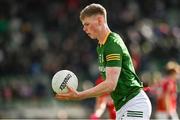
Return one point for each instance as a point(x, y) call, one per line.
point(72, 94)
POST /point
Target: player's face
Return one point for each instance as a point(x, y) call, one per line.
point(90, 26)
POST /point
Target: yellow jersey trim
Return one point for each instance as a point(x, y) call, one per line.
point(113, 57)
point(105, 39)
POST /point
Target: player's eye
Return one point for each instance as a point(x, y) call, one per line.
point(86, 24)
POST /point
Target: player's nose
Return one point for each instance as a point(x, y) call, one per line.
point(85, 29)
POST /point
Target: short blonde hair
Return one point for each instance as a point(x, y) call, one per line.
point(93, 9)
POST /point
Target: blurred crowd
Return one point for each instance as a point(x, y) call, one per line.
point(40, 37)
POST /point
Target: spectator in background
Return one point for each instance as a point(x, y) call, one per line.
point(167, 96)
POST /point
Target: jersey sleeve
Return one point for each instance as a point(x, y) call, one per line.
point(113, 55)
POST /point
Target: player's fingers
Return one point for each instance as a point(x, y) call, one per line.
point(70, 88)
point(61, 97)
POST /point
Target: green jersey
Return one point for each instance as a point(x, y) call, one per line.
point(115, 54)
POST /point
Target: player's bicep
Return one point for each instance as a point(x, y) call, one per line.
point(112, 76)
point(113, 56)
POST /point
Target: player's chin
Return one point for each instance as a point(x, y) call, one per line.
point(92, 37)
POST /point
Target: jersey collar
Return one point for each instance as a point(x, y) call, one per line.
point(105, 39)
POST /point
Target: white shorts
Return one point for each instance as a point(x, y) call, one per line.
point(138, 108)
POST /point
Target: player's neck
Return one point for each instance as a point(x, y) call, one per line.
point(103, 35)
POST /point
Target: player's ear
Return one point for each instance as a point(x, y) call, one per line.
point(100, 20)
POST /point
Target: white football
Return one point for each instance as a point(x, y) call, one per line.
point(63, 78)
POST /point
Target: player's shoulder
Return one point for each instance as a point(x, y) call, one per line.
point(114, 35)
point(114, 40)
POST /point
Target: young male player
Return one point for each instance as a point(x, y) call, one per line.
point(115, 65)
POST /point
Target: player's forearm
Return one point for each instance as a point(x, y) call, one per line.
point(100, 89)
point(107, 86)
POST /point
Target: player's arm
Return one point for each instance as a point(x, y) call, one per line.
point(167, 97)
point(107, 86)
point(113, 55)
